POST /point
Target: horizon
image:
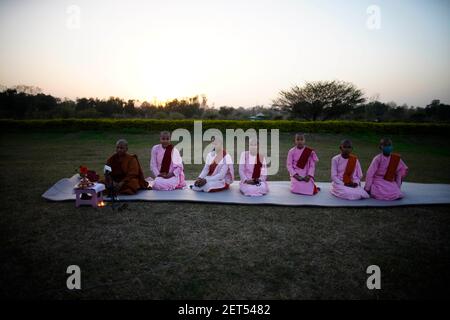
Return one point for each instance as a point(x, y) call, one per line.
point(138, 103)
point(237, 54)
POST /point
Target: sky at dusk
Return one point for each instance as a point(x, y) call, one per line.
point(237, 53)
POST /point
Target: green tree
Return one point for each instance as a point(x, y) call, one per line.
point(321, 100)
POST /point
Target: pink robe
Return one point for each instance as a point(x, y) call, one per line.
point(176, 167)
point(338, 189)
point(222, 175)
point(380, 188)
point(246, 164)
point(301, 187)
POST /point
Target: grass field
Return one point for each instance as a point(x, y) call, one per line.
point(198, 251)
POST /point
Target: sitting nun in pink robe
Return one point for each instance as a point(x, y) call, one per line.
point(218, 172)
point(253, 171)
point(301, 164)
point(346, 174)
point(167, 165)
point(385, 174)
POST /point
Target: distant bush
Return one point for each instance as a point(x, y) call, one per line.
point(176, 116)
point(160, 115)
point(147, 125)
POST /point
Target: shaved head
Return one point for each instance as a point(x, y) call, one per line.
point(253, 141)
point(217, 142)
point(122, 142)
point(121, 147)
point(385, 141)
point(346, 142)
point(217, 139)
point(346, 148)
point(253, 145)
point(300, 139)
point(165, 133)
point(164, 138)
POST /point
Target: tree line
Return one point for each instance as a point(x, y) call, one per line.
point(314, 101)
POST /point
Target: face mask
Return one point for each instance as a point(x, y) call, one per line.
point(387, 150)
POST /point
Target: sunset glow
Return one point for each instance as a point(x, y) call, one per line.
point(238, 53)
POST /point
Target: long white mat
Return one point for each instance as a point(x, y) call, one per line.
point(279, 194)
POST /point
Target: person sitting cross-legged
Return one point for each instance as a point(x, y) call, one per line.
point(346, 174)
point(127, 176)
point(385, 174)
point(167, 165)
point(253, 171)
point(301, 165)
point(218, 172)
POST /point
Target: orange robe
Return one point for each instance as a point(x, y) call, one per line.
point(128, 170)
